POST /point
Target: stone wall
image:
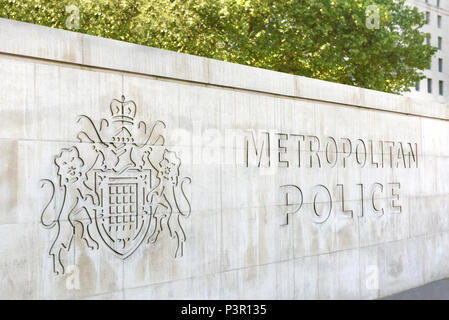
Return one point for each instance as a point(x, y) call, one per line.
point(133, 172)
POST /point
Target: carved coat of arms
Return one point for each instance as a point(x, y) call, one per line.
point(119, 183)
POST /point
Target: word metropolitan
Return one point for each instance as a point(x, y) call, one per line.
point(268, 149)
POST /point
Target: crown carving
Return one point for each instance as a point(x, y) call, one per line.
point(123, 111)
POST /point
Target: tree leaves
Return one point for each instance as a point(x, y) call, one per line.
point(324, 39)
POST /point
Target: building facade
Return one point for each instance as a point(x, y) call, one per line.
point(436, 84)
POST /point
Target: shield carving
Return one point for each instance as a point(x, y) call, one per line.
point(122, 217)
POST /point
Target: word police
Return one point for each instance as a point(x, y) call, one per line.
point(375, 199)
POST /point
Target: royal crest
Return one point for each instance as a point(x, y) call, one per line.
point(119, 184)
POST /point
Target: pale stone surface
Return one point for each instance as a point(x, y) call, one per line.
point(26, 40)
point(288, 187)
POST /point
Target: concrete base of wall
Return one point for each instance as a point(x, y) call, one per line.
point(438, 290)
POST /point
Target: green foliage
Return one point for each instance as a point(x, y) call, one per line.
point(324, 39)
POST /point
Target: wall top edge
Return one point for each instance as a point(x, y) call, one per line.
point(39, 42)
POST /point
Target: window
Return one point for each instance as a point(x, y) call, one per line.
point(439, 21)
point(441, 87)
point(440, 65)
point(417, 87)
point(438, 3)
point(440, 43)
point(428, 39)
point(429, 85)
point(427, 17)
